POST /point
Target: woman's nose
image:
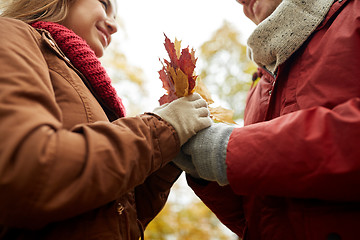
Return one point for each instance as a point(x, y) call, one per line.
point(111, 25)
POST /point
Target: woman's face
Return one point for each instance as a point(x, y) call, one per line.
point(258, 10)
point(94, 21)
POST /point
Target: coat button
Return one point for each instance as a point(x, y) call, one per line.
point(333, 236)
point(120, 208)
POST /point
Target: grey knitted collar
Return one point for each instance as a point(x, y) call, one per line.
point(277, 37)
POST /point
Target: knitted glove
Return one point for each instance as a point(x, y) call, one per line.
point(187, 115)
point(208, 153)
point(184, 162)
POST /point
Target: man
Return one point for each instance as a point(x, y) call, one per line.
point(292, 171)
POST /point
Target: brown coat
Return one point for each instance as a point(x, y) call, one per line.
point(66, 171)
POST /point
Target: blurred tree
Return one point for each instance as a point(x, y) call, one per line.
point(226, 70)
point(127, 78)
point(186, 218)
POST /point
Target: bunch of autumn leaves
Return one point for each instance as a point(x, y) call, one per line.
point(179, 79)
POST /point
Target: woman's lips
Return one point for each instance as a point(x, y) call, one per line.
point(105, 37)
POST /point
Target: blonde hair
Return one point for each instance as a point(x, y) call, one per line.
point(36, 10)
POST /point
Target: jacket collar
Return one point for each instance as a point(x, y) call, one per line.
point(48, 40)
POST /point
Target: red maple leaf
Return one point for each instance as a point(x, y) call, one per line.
point(176, 71)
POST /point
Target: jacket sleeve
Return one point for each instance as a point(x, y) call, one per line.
point(222, 201)
point(312, 153)
point(153, 194)
point(48, 173)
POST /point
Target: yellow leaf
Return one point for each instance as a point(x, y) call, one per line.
point(220, 114)
point(193, 59)
point(203, 91)
point(180, 81)
point(177, 48)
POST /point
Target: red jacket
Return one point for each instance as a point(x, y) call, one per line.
point(294, 169)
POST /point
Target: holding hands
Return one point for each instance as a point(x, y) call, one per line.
point(187, 115)
point(203, 156)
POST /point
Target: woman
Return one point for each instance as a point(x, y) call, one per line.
point(72, 166)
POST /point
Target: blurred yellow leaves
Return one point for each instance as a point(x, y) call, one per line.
point(186, 222)
point(218, 114)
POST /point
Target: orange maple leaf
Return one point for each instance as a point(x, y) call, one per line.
point(179, 79)
point(177, 74)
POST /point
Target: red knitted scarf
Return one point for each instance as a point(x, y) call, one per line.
point(85, 60)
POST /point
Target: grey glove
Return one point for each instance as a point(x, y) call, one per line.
point(187, 115)
point(185, 163)
point(205, 154)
